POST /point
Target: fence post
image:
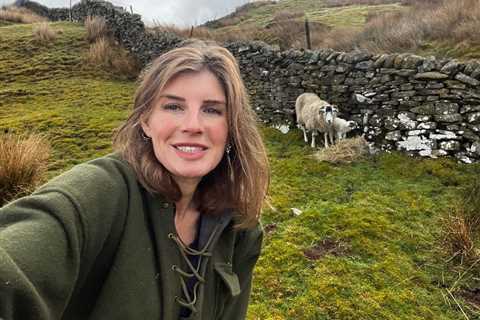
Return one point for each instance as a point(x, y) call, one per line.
point(307, 34)
point(131, 9)
point(191, 32)
point(70, 12)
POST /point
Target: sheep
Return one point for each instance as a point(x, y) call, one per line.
point(341, 127)
point(316, 115)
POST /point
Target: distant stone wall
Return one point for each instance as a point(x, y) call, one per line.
point(423, 106)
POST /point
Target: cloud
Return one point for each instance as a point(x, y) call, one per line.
point(182, 13)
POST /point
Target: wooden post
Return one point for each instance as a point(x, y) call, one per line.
point(70, 12)
point(191, 32)
point(307, 34)
point(131, 9)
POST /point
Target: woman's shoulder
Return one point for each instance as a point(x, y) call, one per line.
point(97, 185)
point(105, 174)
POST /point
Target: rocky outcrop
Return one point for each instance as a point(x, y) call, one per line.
point(420, 105)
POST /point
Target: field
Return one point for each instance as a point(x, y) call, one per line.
point(369, 243)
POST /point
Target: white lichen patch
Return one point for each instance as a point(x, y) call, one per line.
point(406, 121)
point(415, 143)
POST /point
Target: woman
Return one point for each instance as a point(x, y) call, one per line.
point(166, 227)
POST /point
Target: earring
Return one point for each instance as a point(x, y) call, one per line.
point(228, 148)
point(145, 137)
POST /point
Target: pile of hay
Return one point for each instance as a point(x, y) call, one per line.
point(344, 151)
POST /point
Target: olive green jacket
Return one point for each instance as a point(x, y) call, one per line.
point(93, 244)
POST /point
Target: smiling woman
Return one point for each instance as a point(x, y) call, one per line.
point(166, 227)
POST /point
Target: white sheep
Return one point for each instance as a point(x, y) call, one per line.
point(315, 115)
point(341, 127)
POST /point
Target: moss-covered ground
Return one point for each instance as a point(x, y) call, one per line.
point(51, 89)
point(367, 244)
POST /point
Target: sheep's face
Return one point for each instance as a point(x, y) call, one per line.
point(329, 113)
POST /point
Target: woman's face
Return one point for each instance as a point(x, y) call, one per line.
point(188, 125)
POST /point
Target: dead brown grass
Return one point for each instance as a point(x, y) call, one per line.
point(43, 33)
point(456, 21)
point(462, 226)
point(20, 15)
point(106, 54)
point(96, 28)
point(344, 151)
point(23, 161)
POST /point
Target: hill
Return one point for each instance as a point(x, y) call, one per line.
point(434, 27)
point(372, 241)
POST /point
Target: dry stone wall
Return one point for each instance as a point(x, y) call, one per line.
point(420, 105)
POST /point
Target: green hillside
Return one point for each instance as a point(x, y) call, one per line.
point(369, 243)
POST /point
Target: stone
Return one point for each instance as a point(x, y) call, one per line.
point(452, 67)
point(451, 145)
point(432, 75)
point(444, 135)
point(446, 107)
point(406, 120)
point(406, 72)
point(412, 61)
point(466, 79)
point(469, 108)
point(416, 132)
point(453, 84)
point(475, 148)
point(473, 117)
point(428, 64)
point(427, 125)
point(393, 135)
point(435, 85)
point(380, 61)
point(364, 65)
point(415, 143)
point(426, 109)
point(423, 118)
point(455, 117)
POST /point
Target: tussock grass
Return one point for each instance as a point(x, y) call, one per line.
point(344, 151)
point(105, 54)
point(96, 28)
point(462, 225)
point(23, 161)
point(44, 34)
point(456, 21)
point(20, 15)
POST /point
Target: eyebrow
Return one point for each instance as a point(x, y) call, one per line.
point(174, 97)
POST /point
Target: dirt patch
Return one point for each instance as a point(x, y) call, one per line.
point(472, 296)
point(327, 246)
point(270, 228)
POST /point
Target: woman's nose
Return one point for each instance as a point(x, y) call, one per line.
point(192, 122)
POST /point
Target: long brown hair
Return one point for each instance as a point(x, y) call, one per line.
point(240, 181)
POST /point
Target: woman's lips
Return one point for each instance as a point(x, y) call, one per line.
point(190, 151)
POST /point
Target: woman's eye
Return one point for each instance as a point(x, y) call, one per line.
point(172, 106)
point(213, 110)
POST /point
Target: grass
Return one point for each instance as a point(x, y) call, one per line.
point(22, 164)
point(377, 222)
point(12, 14)
point(52, 91)
point(43, 34)
point(387, 209)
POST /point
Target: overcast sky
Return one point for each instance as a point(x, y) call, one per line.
point(179, 12)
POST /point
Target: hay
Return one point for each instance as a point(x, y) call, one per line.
point(344, 151)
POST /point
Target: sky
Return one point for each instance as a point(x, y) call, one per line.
point(182, 13)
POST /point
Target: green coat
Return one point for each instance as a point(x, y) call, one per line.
point(93, 244)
